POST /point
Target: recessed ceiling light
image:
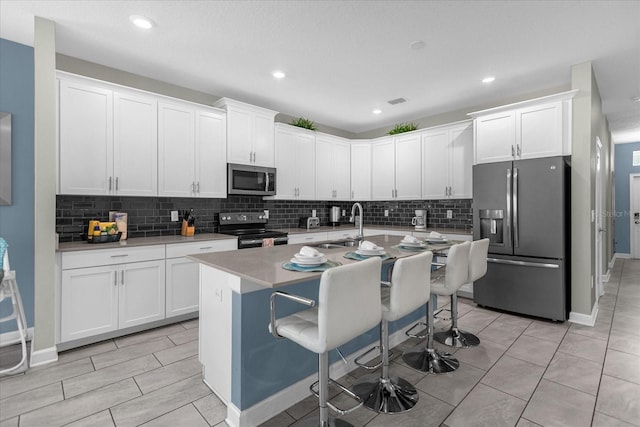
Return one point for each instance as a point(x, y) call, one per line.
point(278, 74)
point(636, 99)
point(488, 79)
point(417, 45)
point(141, 22)
point(377, 111)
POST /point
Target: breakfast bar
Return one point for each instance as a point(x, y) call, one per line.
point(255, 374)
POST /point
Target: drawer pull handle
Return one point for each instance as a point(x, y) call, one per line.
point(206, 247)
point(118, 256)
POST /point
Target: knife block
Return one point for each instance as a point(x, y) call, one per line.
point(187, 230)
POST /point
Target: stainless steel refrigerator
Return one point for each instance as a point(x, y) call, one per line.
point(523, 207)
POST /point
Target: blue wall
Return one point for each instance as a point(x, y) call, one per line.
point(16, 220)
point(623, 167)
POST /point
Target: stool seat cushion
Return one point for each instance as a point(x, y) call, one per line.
point(457, 270)
point(439, 288)
point(302, 328)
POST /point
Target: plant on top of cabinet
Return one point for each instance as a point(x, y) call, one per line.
point(402, 128)
point(301, 122)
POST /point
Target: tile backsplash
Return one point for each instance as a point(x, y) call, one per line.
point(150, 216)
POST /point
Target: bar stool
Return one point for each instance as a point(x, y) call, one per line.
point(406, 293)
point(9, 289)
point(456, 276)
point(348, 306)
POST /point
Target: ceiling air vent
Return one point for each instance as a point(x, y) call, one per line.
point(397, 101)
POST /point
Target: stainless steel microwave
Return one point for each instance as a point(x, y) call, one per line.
point(252, 180)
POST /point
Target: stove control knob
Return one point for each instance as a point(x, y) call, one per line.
point(242, 217)
point(259, 216)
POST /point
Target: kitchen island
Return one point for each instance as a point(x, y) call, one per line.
point(256, 375)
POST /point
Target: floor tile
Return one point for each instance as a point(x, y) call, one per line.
point(585, 347)
point(502, 333)
point(514, 376)
point(453, 386)
point(109, 375)
point(556, 405)
point(622, 365)
point(184, 336)
point(482, 356)
point(476, 320)
point(188, 324)
point(101, 419)
point(602, 420)
point(30, 400)
point(186, 416)
point(13, 422)
point(149, 335)
point(178, 352)
point(428, 412)
point(86, 351)
point(574, 372)
point(120, 355)
point(280, 420)
point(599, 331)
point(532, 349)
point(211, 408)
point(514, 320)
point(81, 406)
point(168, 374)
point(626, 343)
point(523, 422)
point(619, 399)
point(486, 406)
point(549, 331)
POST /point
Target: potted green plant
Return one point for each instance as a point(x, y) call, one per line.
point(301, 122)
point(402, 128)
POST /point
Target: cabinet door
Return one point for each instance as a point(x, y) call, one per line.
point(495, 137)
point(305, 163)
point(176, 138)
point(86, 139)
point(263, 144)
point(342, 170)
point(361, 171)
point(183, 278)
point(435, 164)
point(211, 155)
point(461, 161)
point(239, 136)
point(324, 169)
point(297, 238)
point(88, 302)
point(142, 293)
point(135, 145)
point(383, 170)
point(539, 131)
point(408, 167)
point(286, 168)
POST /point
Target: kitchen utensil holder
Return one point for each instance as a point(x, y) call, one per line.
point(187, 230)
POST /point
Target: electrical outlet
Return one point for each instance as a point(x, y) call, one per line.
point(174, 216)
point(313, 213)
point(449, 214)
point(386, 212)
point(266, 214)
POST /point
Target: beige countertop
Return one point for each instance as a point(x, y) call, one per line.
point(348, 227)
point(141, 241)
point(263, 266)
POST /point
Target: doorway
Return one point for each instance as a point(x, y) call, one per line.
point(634, 214)
point(599, 221)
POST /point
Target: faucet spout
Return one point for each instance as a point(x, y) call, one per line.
point(360, 235)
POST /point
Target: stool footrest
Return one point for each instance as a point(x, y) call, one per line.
point(345, 390)
point(364, 365)
point(437, 312)
point(412, 335)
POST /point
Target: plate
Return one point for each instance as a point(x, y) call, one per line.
point(437, 240)
point(411, 244)
point(308, 258)
point(370, 252)
point(412, 247)
point(308, 263)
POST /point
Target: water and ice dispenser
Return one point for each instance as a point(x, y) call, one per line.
point(491, 225)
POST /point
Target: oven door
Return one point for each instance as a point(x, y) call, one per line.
point(251, 180)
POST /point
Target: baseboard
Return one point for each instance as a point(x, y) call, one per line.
point(12, 337)
point(273, 405)
point(621, 256)
point(585, 319)
point(605, 277)
point(44, 356)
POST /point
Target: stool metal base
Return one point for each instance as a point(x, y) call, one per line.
point(431, 361)
point(314, 421)
point(388, 396)
point(456, 338)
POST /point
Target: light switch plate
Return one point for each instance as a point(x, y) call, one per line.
point(449, 214)
point(386, 212)
point(174, 216)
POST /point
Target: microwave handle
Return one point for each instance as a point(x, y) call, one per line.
point(266, 175)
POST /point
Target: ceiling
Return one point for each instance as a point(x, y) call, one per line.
point(343, 59)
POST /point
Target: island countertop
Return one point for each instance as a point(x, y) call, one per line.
point(263, 266)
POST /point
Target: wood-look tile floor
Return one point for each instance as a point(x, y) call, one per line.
point(526, 372)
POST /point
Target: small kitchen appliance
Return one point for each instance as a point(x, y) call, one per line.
point(251, 180)
point(309, 222)
point(250, 228)
point(334, 217)
point(420, 220)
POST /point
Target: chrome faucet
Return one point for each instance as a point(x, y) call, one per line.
point(360, 235)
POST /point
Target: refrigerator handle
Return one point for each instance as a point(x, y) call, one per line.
point(516, 233)
point(508, 206)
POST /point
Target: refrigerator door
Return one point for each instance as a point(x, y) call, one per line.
point(539, 207)
point(492, 205)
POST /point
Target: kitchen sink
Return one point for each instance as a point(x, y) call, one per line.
point(337, 244)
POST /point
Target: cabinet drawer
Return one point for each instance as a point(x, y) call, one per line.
point(96, 257)
point(306, 238)
point(177, 250)
point(347, 233)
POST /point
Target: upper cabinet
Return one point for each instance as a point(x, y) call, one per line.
point(333, 166)
point(395, 167)
point(447, 156)
point(250, 133)
point(525, 130)
point(107, 140)
point(192, 151)
point(295, 162)
point(361, 170)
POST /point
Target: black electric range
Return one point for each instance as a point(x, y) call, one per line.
point(250, 228)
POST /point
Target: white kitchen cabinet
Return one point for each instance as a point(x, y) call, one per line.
point(182, 274)
point(141, 293)
point(396, 166)
point(361, 171)
point(531, 129)
point(447, 161)
point(309, 237)
point(107, 140)
point(250, 138)
point(191, 146)
point(333, 168)
point(295, 163)
point(345, 232)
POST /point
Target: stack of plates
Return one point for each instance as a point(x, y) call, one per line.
point(371, 252)
point(411, 245)
point(442, 239)
point(308, 261)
